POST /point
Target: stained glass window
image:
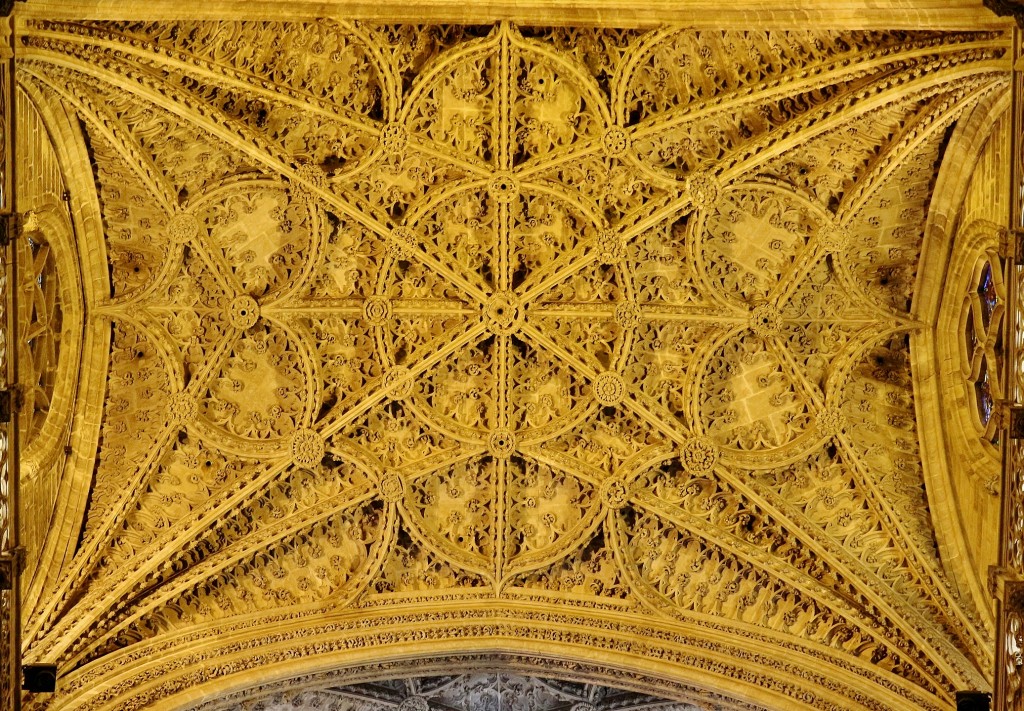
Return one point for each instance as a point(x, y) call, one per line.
point(40, 304)
point(983, 338)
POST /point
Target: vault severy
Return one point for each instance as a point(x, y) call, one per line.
point(515, 323)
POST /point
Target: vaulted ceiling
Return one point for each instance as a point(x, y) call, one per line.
point(581, 352)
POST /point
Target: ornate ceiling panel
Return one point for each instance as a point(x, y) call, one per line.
point(544, 324)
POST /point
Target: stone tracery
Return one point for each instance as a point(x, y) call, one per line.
point(499, 312)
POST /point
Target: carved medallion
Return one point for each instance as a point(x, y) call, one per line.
point(307, 448)
point(182, 228)
point(244, 312)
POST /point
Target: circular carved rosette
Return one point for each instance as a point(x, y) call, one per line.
point(307, 448)
point(615, 142)
point(392, 488)
point(830, 422)
point(377, 311)
point(836, 238)
point(312, 175)
point(699, 455)
point(609, 388)
point(398, 382)
point(628, 314)
point(394, 138)
point(243, 312)
point(703, 189)
point(183, 228)
point(615, 493)
point(503, 188)
point(503, 314)
point(766, 321)
point(181, 409)
point(611, 248)
point(402, 243)
point(501, 443)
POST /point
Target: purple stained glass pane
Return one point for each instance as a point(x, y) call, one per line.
point(987, 292)
point(970, 337)
point(983, 393)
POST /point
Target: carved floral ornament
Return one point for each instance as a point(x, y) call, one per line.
point(506, 321)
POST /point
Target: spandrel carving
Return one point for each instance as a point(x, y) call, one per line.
point(133, 422)
point(132, 223)
point(262, 232)
point(457, 508)
point(590, 572)
point(751, 401)
point(458, 109)
point(412, 568)
point(261, 389)
point(548, 510)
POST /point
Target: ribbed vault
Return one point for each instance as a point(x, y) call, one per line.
point(582, 346)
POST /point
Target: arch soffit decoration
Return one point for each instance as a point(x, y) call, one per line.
point(80, 253)
point(314, 190)
point(951, 246)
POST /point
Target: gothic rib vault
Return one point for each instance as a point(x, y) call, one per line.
point(582, 352)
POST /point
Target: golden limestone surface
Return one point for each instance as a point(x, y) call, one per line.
point(590, 337)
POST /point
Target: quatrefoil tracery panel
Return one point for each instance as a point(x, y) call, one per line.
point(509, 317)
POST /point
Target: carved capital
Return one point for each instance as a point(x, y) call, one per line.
point(11, 563)
point(1003, 8)
point(1013, 596)
point(1016, 239)
point(973, 700)
point(10, 227)
point(11, 401)
point(1015, 422)
point(1007, 586)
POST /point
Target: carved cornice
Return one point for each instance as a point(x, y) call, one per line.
point(699, 14)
